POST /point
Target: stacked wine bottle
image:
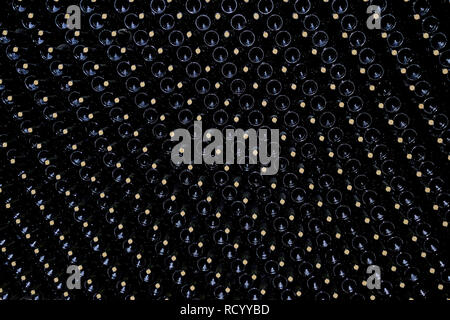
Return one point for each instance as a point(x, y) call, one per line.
point(87, 180)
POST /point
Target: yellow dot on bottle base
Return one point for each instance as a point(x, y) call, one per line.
point(354, 52)
point(295, 16)
point(314, 51)
point(304, 34)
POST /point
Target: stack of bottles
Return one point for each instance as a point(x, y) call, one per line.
point(86, 176)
